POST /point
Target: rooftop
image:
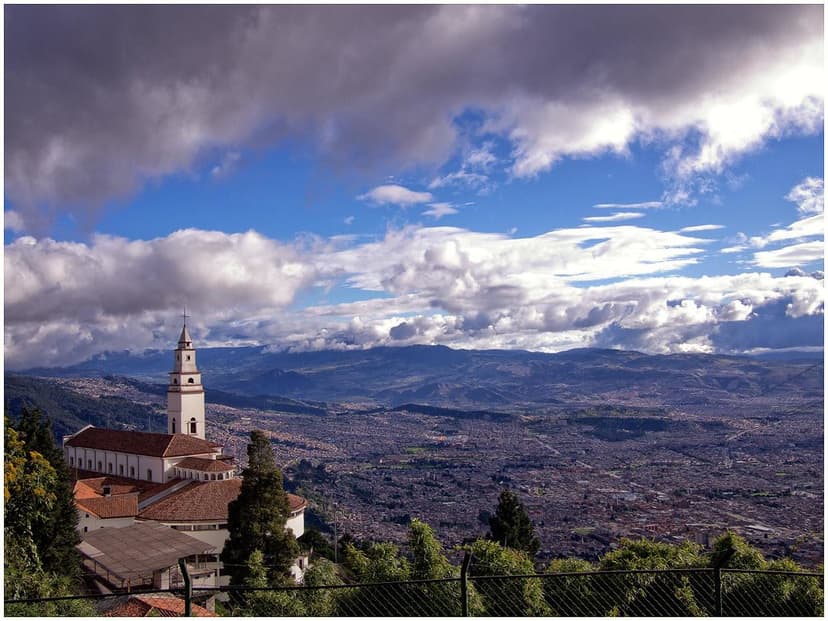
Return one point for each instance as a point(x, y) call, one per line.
point(142, 442)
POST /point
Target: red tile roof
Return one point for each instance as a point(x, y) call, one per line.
point(146, 605)
point(141, 442)
point(199, 501)
point(122, 505)
point(205, 465)
point(203, 501)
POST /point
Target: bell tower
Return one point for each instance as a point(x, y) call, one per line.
point(185, 394)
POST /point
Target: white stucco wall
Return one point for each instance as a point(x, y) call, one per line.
point(88, 522)
point(296, 523)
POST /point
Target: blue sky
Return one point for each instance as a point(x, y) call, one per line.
point(308, 177)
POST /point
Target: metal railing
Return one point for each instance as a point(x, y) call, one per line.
point(668, 592)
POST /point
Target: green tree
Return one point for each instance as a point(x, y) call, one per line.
point(321, 602)
point(29, 494)
point(511, 527)
point(573, 589)
point(256, 519)
point(511, 597)
point(57, 538)
point(643, 594)
point(261, 600)
point(313, 540)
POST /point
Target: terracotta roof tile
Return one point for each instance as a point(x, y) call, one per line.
point(144, 605)
point(122, 505)
point(205, 465)
point(199, 501)
point(141, 442)
point(203, 501)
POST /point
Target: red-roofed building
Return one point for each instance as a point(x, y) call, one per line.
point(155, 606)
point(178, 479)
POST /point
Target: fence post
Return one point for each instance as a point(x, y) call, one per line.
point(464, 584)
point(723, 560)
point(188, 588)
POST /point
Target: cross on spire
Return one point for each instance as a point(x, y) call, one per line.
point(185, 315)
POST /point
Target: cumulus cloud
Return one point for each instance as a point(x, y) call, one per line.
point(809, 196)
point(595, 286)
point(126, 94)
point(13, 221)
point(393, 194)
point(616, 217)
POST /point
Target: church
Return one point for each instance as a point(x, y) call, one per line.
point(178, 479)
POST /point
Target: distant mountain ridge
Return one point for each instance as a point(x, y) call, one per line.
point(444, 377)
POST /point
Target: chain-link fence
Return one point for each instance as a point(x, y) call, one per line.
point(687, 592)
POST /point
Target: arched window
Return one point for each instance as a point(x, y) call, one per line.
point(175, 381)
point(212, 477)
point(193, 425)
point(188, 356)
point(121, 469)
point(109, 467)
point(89, 464)
point(191, 381)
point(206, 477)
point(149, 474)
point(173, 425)
point(71, 461)
point(100, 466)
point(132, 471)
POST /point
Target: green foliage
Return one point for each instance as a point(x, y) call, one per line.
point(511, 527)
point(381, 562)
point(256, 519)
point(30, 484)
point(321, 602)
point(313, 540)
point(735, 553)
point(574, 595)
point(266, 603)
point(58, 536)
point(657, 593)
point(515, 597)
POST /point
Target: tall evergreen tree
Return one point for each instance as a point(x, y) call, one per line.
point(511, 527)
point(57, 539)
point(257, 518)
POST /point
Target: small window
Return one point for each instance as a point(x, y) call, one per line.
point(192, 425)
point(175, 381)
point(178, 356)
point(121, 469)
point(212, 477)
point(71, 461)
point(188, 356)
point(100, 466)
point(149, 474)
point(191, 381)
point(86, 528)
point(132, 471)
point(109, 467)
point(206, 477)
point(173, 425)
point(89, 464)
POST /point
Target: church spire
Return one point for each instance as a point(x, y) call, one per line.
point(185, 394)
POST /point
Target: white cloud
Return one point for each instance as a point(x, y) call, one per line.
point(13, 221)
point(809, 196)
point(438, 210)
point(791, 256)
point(616, 217)
point(66, 301)
point(349, 220)
point(227, 166)
point(644, 205)
point(393, 194)
point(705, 84)
point(701, 227)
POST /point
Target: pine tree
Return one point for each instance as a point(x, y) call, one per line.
point(511, 527)
point(257, 518)
point(57, 539)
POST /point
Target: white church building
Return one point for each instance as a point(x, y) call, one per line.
point(178, 478)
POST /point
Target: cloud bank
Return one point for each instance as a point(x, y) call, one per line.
point(124, 95)
point(613, 286)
